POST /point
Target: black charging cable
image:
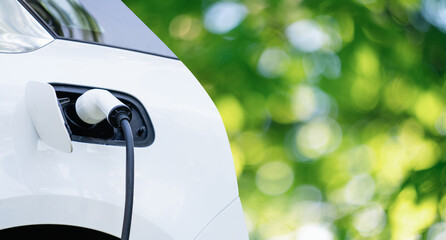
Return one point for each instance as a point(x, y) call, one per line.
point(129, 177)
point(94, 106)
point(120, 117)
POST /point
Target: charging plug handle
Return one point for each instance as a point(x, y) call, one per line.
point(95, 105)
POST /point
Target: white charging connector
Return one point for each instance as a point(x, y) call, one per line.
point(96, 105)
point(93, 107)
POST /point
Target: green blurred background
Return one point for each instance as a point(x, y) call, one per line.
point(335, 109)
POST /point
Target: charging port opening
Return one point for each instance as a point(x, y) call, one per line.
point(103, 133)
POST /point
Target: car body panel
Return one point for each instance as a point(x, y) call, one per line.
point(182, 181)
point(226, 225)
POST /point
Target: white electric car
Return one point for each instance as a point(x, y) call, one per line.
point(62, 177)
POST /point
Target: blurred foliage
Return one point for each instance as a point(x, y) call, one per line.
point(334, 109)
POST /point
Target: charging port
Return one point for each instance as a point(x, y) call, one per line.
point(102, 132)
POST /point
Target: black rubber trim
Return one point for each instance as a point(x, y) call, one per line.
point(112, 46)
point(117, 114)
point(53, 232)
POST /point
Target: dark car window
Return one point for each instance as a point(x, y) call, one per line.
point(107, 22)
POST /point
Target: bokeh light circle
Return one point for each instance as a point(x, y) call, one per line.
point(274, 178)
point(222, 17)
point(273, 63)
point(434, 11)
point(437, 231)
point(306, 35)
point(322, 63)
point(307, 193)
point(313, 232)
point(370, 221)
point(360, 189)
point(309, 102)
point(316, 138)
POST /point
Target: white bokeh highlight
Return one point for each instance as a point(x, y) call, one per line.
point(360, 189)
point(313, 232)
point(306, 36)
point(370, 221)
point(273, 63)
point(222, 17)
point(434, 11)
